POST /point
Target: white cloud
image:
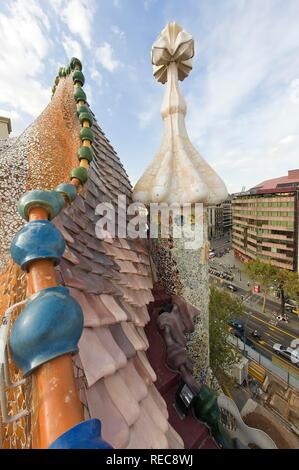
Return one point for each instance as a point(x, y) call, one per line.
point(104, 54)
point(72, 47)
point(12, 114)
point(246, 97)
point(289, 139)
point(24, 47)
point(78, 16)
point(148, 3)
point(96, 75)
point(118, 32)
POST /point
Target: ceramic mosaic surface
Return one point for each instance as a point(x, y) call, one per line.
point(111, 280)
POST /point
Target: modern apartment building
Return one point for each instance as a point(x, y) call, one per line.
point(219, 219)
point(227, 214)
point(265, 222)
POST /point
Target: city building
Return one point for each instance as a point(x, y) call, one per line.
point(227, 215)
point(265, 222)
point(215, 221)
point(5, 127)
point(220, 219)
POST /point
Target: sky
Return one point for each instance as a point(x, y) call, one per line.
point(242, 94)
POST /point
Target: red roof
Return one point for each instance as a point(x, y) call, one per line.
point(291, 180)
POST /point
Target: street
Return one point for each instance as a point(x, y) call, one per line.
point(271, 330)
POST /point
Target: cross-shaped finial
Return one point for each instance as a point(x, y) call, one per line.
point(172, 45)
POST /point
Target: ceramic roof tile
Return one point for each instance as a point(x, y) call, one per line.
point(108, 342)
point(67, 236)
point(133, 336)
point(134, 382)
point(115, 429)
point(114, 308)
point(126, 266)
point(122, 340)
point(96, 360)
point(155, 412)
point(152, 390)
point(141, 333)
point(153, 438)
point(70, 256)
point(144, 368)
point(91, 319)
point(122, 398)
point(174, 439)
point(105, 315)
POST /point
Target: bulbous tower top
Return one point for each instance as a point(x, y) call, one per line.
point(178, 173)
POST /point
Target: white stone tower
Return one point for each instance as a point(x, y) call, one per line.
point(179, 175)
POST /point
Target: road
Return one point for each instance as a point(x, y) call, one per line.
point(270, 333)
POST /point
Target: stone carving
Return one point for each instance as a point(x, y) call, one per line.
point(178, 173)
point(239, 431)
point(175, 321)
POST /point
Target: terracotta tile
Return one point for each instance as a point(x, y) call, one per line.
point(122, 398)
point(126, 266)
point(138, 440)
point(70, 276)
point(143, 313)
point(99, 285)
point(107, 340)
point(132, 335)
point(96, 360)
point(70, 256)
point(152, 390)
point(104, 315)
point(146, 435)
point(129, 309)
point(141, 333)
point(67, 236)
point(91, 319)
point(113, 307)
point(124, 243)
point(155, 413)
point(133, 381)
point(144, 368)
point(115, 429)
point(68, 223)
point(174, 439)
point(122, 340)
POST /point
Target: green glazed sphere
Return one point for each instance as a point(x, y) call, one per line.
point(86, 134)
point(80, 173)
point(79, 95)
point(78, 77)
point(85, 153)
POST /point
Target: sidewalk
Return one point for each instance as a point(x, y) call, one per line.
point(240, 279)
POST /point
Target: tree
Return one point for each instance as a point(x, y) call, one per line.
point(262, 273)
point(222, 308)
point(287, 283)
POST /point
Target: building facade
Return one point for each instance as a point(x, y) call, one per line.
point(220, 219)
point(5, 127)
point(265, 222)
point(227, 215)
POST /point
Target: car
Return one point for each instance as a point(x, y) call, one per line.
point(231, 287)
point(237, 325)
point(288, 353)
